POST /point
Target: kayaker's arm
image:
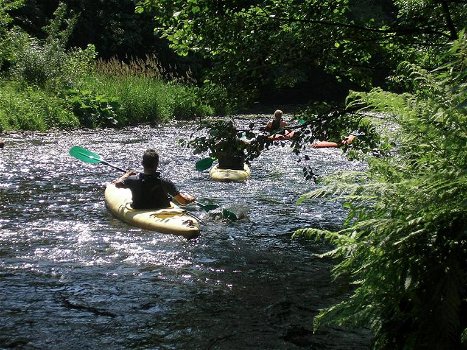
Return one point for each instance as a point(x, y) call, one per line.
point(348, 140)
point(184, 198)
point(119, 182)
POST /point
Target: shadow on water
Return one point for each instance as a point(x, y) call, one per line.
point(73, 277)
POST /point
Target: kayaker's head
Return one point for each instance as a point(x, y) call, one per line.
point(278, 114)
point(150, 160)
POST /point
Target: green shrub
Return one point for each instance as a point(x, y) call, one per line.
point(93, 110)
point(144, 99)
point(217, 97)
point(147, 92)
point(186, 102)
point(404, 244)
point(49, 66)
point(32, 109)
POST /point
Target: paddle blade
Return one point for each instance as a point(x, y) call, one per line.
point(207, 207)
point(227, 214)
point(84, 155)
point(204, 164)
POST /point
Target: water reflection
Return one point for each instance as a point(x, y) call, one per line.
point(72, 276)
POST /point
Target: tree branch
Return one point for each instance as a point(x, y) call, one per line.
point(449, 22)
point(391, 31)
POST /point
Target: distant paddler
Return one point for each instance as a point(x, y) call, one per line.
point(277, 127)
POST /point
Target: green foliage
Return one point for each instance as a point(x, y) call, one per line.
point(220, 137)
point(259, 44)
point(147, 92)
point(49, 66)
point(6, 32)
point(47, 63)
point(148, 100)
point(5, 7)
point(93, 110)
point(32, 109)
point(326, 123)
point(217, 97)
point(186, 102)
point(404, 244)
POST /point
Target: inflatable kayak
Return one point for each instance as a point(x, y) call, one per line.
point(229, 174)
point(329, 144)
point(277, 137)
point(173, 220)
point(324, 144)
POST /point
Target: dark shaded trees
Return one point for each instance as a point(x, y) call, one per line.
point(255, 45)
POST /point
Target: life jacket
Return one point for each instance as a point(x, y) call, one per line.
point(276, 124)
point(148, 192)
point(229, 161)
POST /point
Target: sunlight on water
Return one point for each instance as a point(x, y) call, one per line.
point(73, 276)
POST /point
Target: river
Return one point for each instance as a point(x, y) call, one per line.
point(74, 277)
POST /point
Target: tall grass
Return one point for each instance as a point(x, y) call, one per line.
point(48, 86)
point(147, 92)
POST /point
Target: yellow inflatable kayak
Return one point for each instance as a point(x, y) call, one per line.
point(230, 174)
point(173, 220)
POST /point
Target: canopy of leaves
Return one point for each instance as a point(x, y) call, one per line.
point(253, 44)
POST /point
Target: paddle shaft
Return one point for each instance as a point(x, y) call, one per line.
point(113, 166)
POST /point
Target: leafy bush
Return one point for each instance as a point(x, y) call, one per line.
point(47, 63)
point(145, 99)
point(217, 97)
point(50, 66)
point(32, 109)
point(6, 32)
point(93, 110)
point(404, 244)
point(186, 102)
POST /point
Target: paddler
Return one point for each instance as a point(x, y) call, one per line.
point(229, 150)
point(149, 190)
point(277, 126)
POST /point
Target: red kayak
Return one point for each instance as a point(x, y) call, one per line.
point(329, 144)
point(324, 144)
point(277, 137)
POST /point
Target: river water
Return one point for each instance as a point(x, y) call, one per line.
point(74, 277)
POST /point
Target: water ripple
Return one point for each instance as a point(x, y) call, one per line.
point(72, 276)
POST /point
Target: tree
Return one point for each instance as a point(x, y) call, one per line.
point(112, 26)
point(257, 44)
point(6, 33)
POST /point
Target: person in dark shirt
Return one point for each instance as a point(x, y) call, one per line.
point(277, 122)
point(277, 127)
point(149, 190)
point(229, 149)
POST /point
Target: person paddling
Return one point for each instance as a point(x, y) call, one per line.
point(229, 149)
point(149, 190)
point(278, 125)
